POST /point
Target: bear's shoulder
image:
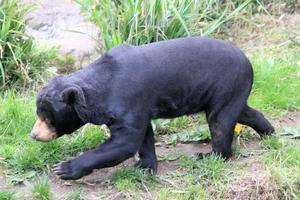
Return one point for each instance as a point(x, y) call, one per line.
point(116, 52)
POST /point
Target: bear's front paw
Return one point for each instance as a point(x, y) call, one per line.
point(69, 170)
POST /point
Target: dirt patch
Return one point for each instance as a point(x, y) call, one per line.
point(188, 148)
point(292, 119)
point(254, 181)
point(3, 185)
point(97, 185)
point(259, 33)
point(255, 184)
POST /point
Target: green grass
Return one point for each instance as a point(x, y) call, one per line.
point(191, 192)
point(276, 82)
point(76, 195)
point(141, 22)
point(65, 64)
point(283, 161)
point(130, 179)
point(41, 189)
point(198, 179)
point(21, 59)
point(5, 195)
point(210, 168)
point(195, 179)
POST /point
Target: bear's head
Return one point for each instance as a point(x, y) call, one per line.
point(58, 107)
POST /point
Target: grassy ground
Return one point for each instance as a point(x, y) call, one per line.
point(266, 168)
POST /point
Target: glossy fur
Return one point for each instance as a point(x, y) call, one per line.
point(129, 86)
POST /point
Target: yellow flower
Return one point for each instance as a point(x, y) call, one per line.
point(237, 129)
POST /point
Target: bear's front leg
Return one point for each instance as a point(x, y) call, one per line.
point(125, 141)
point(147, 153)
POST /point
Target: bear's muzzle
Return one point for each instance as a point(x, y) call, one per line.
point(41, 131)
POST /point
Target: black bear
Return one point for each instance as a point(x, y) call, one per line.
point(131, 85)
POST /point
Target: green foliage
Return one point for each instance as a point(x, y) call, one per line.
point(239, 151)
point(171, 156)
point(276, 83)
point(284, 165)
point(76, 195)
point(198, 179)
point(129, 179)
point(21, 61)
point(201, 133)
point(210, 168)
point(65, 63)
point(272, 142)
point(168, 126)
point(141, 22)
point(41, 189)
point(190, 192)
point(5, 195)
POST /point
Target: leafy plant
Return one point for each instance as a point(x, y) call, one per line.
point(163, 126)
point(21, 60)
point(200, 134)
point(141, 22)
point(292, 133)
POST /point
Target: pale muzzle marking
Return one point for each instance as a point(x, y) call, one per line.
point(41, 131)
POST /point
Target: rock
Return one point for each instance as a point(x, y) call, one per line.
point(59, 22)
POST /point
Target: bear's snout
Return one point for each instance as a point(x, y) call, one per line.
point(41, 131)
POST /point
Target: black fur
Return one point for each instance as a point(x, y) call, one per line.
point(129, 86)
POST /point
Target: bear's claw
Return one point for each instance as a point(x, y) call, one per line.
point(67, 170)
point(147, 164)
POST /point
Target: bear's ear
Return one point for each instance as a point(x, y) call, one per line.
point(73, 95)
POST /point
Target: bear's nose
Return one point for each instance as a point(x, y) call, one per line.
point(33, 135)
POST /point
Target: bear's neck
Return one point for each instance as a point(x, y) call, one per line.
point(94, 81)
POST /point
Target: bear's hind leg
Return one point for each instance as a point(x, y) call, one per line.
point(221, 120)
point(222, 137)
point(255, 120)
point(147, 153)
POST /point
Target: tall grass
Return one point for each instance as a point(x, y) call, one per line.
point(21, 61)
point(140, 22)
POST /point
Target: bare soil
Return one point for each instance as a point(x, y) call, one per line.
point(291, 120)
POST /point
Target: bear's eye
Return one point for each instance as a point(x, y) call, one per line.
point(48, 121)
